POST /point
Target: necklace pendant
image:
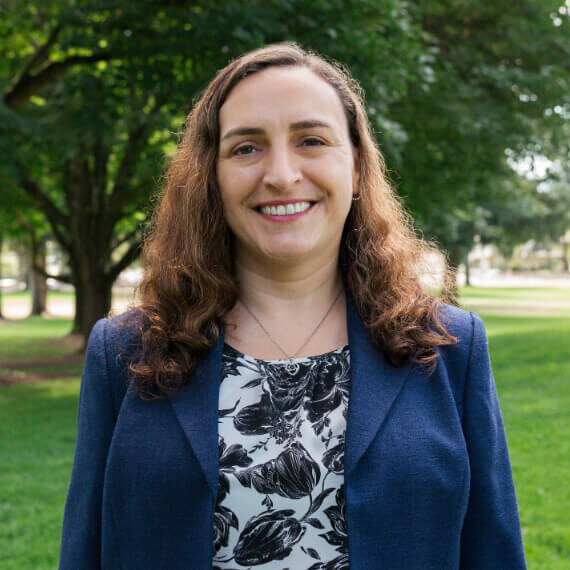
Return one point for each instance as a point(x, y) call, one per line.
point(292, 367)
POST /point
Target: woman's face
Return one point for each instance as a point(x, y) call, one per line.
point(286, 170)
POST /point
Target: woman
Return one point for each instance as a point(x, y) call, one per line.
point(294, 400)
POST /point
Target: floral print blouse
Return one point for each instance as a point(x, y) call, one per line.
point(281, 432)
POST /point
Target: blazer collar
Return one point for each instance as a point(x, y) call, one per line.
point(375, 385)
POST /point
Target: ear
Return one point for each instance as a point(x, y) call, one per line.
point(356, 171)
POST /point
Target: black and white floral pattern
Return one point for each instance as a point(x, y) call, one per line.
point(281, 447)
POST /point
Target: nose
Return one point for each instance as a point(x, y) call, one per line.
point(282, 169)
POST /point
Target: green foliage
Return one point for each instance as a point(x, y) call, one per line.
point(90, 103)
point(94, 92)
point(496, 69)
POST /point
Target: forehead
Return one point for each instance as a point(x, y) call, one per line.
point(280, 96)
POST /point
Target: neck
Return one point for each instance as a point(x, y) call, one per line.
point(291, 305)
point(271, 290)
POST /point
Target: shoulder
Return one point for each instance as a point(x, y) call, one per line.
point(119, 335)
point(466, 326)
point(113, 344)
point(459, 322)
point(456, 360)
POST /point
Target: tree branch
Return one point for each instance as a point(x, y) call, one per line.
point(129, 236)
point(40, 54)
point(54, 215)
point(64, 277)
point(130, 255)
point(120, 195)
point(26, 226)
point(100, 158)
point(28, 84)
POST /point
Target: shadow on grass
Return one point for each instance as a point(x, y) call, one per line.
point(36, 349)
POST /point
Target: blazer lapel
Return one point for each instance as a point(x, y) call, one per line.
point(196, 407)
point(375, 385)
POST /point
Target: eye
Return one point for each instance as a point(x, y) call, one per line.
point(244, 150)
point(312, 141)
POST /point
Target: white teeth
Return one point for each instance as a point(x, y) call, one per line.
point(286, 210)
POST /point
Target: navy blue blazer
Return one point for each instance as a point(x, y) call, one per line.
point(428, 481)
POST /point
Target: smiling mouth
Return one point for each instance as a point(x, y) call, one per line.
point(289, 209)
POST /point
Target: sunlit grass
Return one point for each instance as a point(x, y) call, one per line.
point(531, 362)
point(537, 301)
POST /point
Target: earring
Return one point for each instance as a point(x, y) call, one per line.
point(356, 197)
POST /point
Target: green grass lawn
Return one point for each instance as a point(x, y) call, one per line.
point(38, 339)
point(538, 301)
point(531, 360)
point(37, 435)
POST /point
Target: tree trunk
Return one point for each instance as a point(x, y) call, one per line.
point(92, 301)
point(467, 269)
point(38, 282)
point(86, 230)
point(566, 255)
point(454, 258)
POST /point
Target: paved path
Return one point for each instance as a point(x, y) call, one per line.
point(20, 308)
point(494, 278)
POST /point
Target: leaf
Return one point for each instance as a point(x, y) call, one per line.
point(244, 477)
point(226, 411)
point(313, 553)
point(253, 383)
point(315, 522)
point(333, 538)
point(267, 502)
point(319, 426)
point(335, 516)
point(319, 501)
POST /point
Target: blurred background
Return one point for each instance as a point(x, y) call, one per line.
point(470, 103)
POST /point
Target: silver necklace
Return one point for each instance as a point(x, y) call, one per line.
point(292, 367)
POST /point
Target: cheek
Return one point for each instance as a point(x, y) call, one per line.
point(235, 185)
point(339, 180)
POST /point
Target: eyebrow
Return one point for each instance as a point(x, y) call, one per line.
point(299, 125)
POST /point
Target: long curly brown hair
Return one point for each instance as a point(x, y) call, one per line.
point(189, 283)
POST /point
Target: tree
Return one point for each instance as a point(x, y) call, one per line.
point(22, 223)
point(92, 103)
point(92, 91)
point(489, 74)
